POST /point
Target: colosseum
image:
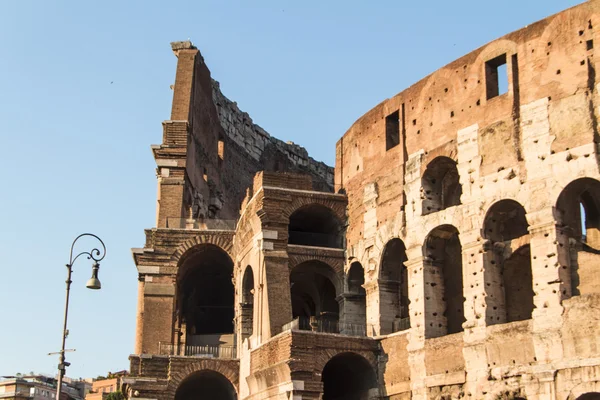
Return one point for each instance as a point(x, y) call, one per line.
point(453, 252)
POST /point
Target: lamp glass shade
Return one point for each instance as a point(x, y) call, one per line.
point(94, 282)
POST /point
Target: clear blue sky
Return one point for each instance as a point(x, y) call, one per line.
point(83, 91)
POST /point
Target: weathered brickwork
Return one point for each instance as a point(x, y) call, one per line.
point(457, 257)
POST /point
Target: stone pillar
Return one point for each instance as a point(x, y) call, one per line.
point(416, 337)
point(551, 283)
point(482, 289)
point(372, 308)
point(416, 291)
point(482, 281)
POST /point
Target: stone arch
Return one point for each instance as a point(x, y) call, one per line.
point(577, 213)
point(589, 396)
point(585, 391)
point(314, 291)
point(337, 207)
point(229, 370)
point(335, 263)
point(224, 242)
point(443, 279)
point(440, 184)
point(354, 303)
point(507, 263)
point(350, 376)
point(315, 225)
point(205, 296)
point(393, 288)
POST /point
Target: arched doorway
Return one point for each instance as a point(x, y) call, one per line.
point(314, 289)
point(206, 385)
point(348, 376)
point(508, 263)
point(393, 288)
point(247, 304)
point(441, 186)
point(578, 214)
point(444, 306)
point(315, 225)
point(205, 297)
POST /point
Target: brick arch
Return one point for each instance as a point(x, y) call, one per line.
point(322, 357)
point(495, 49)
point(338, 208)
point(223, 368)
point(337, 267)
point(336, 264)
point(225, 243)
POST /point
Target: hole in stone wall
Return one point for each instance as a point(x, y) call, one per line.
point(589, 44)
point(221, 151)
point(496, 77)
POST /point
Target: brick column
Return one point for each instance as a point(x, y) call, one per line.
point(277, 307)
point(159, 301)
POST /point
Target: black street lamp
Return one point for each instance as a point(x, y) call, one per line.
point(92, 283)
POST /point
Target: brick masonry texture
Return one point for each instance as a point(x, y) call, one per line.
point(453, 259)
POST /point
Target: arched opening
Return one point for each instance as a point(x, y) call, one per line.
point(313, 295)
point(441, 185)
point(578, 214)
point(315, 225)
point(443, 276)
point(355, 305)
point(348, 376)
point(589, 396)
point(393, 288)
point(356, 278)
point(508, 264)
point(205, 297)
point(206, 385)
point(247, 304)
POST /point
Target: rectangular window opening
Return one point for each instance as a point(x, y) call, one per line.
point(221, 151)
point(392, 130)
point(496, 77)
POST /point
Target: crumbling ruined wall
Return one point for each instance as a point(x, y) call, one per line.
point(464, 216)
point(220, 149)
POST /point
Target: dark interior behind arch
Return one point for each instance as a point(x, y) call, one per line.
point(315, 225)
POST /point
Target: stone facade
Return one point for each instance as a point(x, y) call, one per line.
point(458, 256)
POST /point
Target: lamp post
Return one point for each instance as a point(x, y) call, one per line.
point(92, 283)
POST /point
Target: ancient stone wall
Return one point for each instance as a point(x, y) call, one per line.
point(472, 176)
point(467, 265)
